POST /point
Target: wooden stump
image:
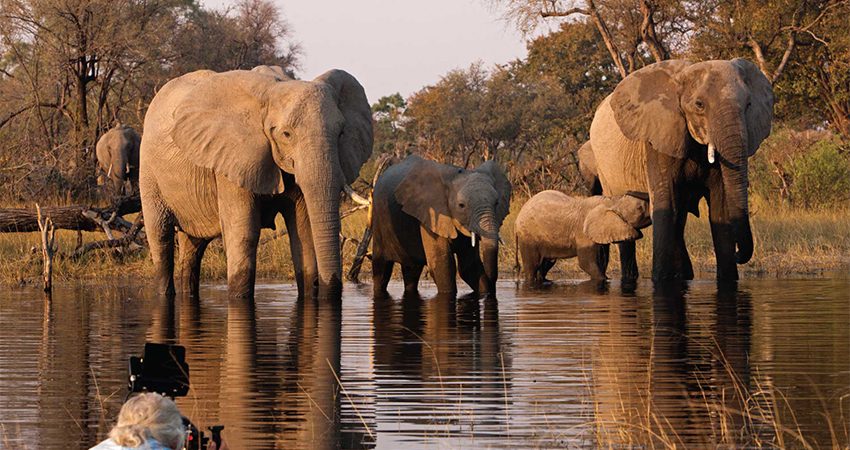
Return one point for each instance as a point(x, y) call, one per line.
point(48, 242)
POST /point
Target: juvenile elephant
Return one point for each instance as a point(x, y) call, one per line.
point(681, 131)
point(223, 153)
point(553, 225)
point(118, 158)
point(426, 213)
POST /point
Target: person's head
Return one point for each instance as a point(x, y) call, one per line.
point(149, 416)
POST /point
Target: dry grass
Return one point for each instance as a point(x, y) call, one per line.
point(740, 414)
point(788, 241)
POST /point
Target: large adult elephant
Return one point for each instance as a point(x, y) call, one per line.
point(223, 153)
point(118, 158)
point(680, 131)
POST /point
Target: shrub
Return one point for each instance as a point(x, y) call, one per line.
point(821, 176)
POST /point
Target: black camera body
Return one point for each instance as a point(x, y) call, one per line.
point(162, 368)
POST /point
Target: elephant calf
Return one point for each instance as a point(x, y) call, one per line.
point(553, 225)
point(426, 213)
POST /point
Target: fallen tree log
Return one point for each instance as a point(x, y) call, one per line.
point(124, 241)
point(73, 217)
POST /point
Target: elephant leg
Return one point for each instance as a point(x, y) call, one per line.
point(546, 264)
point(628, 260)
point(587, 260)
point(683, 259)
point(667, 239)
point(531, 262)
point(441, 261)
point(159, 228)
point(411, 274)
point(240, 231)
point(722, 232)
point(301, 242)
point(191, 251)
point(382, 272)
point(469, 266)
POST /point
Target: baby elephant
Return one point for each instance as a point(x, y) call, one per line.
point(426, 213)
point(553, 225)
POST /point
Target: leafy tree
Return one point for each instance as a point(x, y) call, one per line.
point(389, 119)
point(70, 69)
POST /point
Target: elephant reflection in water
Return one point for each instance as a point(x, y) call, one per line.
point(449, 351)
point(666, 375)
point(241, 378)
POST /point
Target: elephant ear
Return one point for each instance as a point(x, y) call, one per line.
point(604, 226)
point(355, 144)
point(760, 111)
point(422, 194)
point(218, 125)
point(502, 185)
point(646, 107)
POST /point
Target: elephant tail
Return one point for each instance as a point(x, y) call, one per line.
point(516, 255)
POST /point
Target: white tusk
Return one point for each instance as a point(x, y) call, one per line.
point(711, 153)
point(474, 238)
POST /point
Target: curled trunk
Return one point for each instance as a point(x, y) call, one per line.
point(485, 225)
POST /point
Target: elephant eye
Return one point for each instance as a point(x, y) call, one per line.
point(699, 105)
point(462, 205)
point(287, 134)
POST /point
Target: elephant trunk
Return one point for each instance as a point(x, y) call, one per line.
point(734, 170)
point(485, 224)
point(490, 258)
point(321, 185)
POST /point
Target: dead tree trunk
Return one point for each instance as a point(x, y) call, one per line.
point(48, 241)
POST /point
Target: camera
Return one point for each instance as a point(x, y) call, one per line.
point(162, 369)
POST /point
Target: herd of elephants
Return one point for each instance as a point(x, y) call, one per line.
point(223, 153)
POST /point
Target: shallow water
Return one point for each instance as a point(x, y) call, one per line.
point(575, 365)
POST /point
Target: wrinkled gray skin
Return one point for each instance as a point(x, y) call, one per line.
point(425, 213)
point(680, 131)
point(223, 153)
point(553, 225)
point(118, 159)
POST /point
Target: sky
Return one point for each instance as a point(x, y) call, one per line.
point(397, 45)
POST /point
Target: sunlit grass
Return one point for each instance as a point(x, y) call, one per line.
point(787, 242)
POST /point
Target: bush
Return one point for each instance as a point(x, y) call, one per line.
point(821, 176)
point(808, 169)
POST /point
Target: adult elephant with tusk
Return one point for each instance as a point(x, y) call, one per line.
point(223, 153)
point(427, 213)
point(117, 154)
point(680, 131)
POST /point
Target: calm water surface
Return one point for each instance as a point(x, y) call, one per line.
point(576, 365)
